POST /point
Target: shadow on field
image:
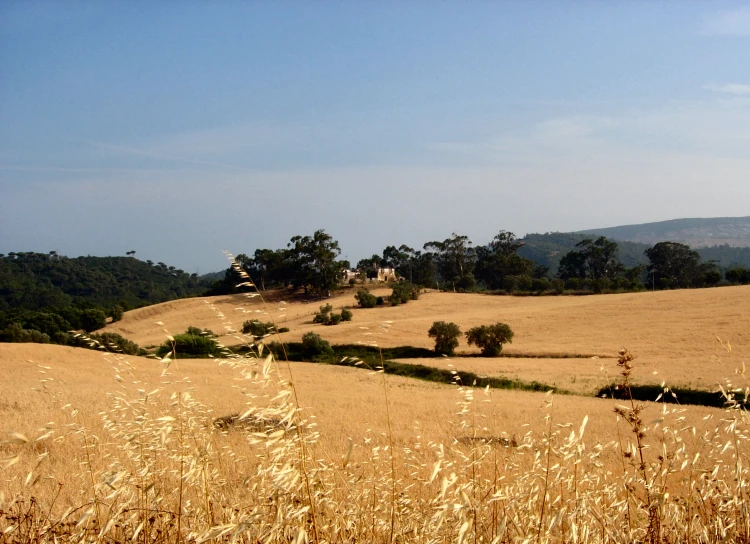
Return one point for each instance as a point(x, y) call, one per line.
point(373, 358)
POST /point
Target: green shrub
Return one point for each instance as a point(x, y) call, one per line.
point(191, 345)
point(257, 329)
point(324, 315)
point(490, 338)
point(199, 332)
point(573, 284)
point(465, 283)
point(712, 277)
point(379, 301)
point(540, 285)
point(738, 275)
point(72, 315)
point(117, 312)
point(602, 285)
point(403, 292)
point(510, 283)
point(623, 284)
point(365, 299)
point(284, 329)
point(525, 282)
point(47, 322)
point(62, 338)
point(558, 285)
point(313, 346)
point(92, 320)
point(446, 337)
point(15, 333)
point(327, 317)
point(114, 342)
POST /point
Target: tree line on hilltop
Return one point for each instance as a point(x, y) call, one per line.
point(589, 265)
point(549, 248)
point(44, 296)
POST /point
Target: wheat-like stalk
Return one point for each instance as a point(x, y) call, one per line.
point(159, 465)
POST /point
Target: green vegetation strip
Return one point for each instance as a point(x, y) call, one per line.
point(350, 354)
point(675, 395)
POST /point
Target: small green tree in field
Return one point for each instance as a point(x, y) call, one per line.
point(403, 292)
point(366, 299)
point(327, 317)
point(190, 346)
point(324, 315)
point(314, 346)
point(257, 328)
point(490, 338)
point(446, 337)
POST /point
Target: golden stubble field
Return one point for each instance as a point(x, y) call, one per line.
point(400, 456)
point(673, 333)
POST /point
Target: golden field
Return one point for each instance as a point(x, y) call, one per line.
point(129, 452)
point(673, 333)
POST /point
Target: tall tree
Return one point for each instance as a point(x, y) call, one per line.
point(314, 264)
point(675, 265)
point(594, 259)
point(270, 268)
point(417, 267)
point(455, 259)
point(499, 259)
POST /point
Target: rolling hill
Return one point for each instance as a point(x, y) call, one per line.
point(725, 240)
point(695, 232)
point(673, 332)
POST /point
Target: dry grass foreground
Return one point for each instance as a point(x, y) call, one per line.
point(102, 448)
point(672, 332)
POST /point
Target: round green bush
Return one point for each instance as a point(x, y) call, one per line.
point(313, 346)
point(190, 345)
point(256, 328)
point(403, 292)
point(446, 337)
point(366, 299)
point(490, 338)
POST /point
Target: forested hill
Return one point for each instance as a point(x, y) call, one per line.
point(35, 281)
point(547, 249)
point(697, 233)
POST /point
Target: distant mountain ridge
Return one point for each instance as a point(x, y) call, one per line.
point(547, 249)
point(695, 232)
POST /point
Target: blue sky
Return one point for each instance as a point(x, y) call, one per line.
point(179, 129)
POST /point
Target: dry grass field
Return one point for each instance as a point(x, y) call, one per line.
point(673, 333)
point(104, 448)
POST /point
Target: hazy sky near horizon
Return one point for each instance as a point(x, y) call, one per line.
point(180, 129)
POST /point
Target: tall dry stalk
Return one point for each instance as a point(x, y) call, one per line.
point(165, 469)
